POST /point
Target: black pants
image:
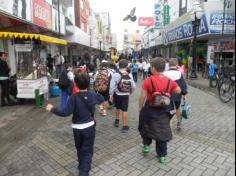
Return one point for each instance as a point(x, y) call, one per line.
point(84, 143)
point(161, 147)
point(145, 75)
point(5, 91)
point(135, 76)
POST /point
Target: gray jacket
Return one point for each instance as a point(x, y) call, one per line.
point(115, 80)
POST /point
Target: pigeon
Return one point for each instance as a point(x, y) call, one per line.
point(131, 16)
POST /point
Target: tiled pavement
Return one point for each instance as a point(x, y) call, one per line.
point(205, 146)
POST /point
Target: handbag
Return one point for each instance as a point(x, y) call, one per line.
point(160, 99)
point(186, 110)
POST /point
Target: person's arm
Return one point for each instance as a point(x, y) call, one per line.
point(142, 98)
point(99, 99)
point(114, 82)
point(184, 87)
point(133, 85)
point(68, 110)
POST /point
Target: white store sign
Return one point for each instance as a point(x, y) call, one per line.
point(26, 88)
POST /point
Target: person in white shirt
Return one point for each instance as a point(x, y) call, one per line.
point(59, 61)
point(145, 69)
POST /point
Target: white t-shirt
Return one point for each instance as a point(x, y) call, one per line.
point(146, 67)
point(71, 76)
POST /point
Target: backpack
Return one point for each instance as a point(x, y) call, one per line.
point(64, 81)
point(125, 84)
point(101, 84)
point(160, 99)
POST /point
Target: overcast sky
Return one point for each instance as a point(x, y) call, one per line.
point(119, 9)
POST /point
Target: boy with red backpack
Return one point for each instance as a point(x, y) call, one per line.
point(121, 86)
point(155, 107)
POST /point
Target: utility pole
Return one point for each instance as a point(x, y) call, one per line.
point(222, 36)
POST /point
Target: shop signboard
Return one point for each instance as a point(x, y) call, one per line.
point(26, 88)
point(157, 16)
point(216, 23)
point(184, 31)
point(42, 13)
point(146, 21)
point(23, 47)
point(18, 8)
point(166, 19)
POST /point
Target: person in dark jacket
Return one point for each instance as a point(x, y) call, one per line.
point(154, 123)
point(4, 80)
point(177, 76)
point(82, 106)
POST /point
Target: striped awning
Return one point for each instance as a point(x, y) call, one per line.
point(43, 38)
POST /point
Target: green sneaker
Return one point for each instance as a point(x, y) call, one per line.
point(146, 149)
point(162, 160)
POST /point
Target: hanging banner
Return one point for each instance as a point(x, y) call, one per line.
point(146, 21)
point(157, 16)
point(42, 13)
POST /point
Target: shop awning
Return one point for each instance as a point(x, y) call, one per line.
point(43, 38)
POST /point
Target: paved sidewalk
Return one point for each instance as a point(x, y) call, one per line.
point(205, 146)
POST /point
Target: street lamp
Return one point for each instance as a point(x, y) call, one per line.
point(196, 16)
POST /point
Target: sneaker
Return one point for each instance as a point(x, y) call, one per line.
point(104, 113)
point(116, 123)
point(125, 128)
point(146, 149)
point(162, 160)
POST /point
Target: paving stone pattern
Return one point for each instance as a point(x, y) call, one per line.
point(204, 147)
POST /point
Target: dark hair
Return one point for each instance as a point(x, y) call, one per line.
point(67, 65)
point(111, 65)
point(173, 62)
point(123, 63)
point(135, 61)
point(159, 64)
point(2, 53)
point(82, 80)
point(103, 65)
point(91, 67)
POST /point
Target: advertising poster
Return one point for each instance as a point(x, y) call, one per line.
point(18, 8)
point(146, 21)
point(42, 13)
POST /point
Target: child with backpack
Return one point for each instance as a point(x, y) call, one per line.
point(154, 104)
point(66, 82)
point(82, 106)
point(122, 85)
point(101, 85)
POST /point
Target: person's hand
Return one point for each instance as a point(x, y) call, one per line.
point(184, 98)
point(49, 107)
point(111, 99)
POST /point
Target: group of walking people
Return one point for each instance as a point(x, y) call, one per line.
point(112, 84)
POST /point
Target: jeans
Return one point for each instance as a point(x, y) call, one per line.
point(5, 91)
point(161, 146)
point(135, 76)
point(59, 69)
point(64, 98)
point(84, 143)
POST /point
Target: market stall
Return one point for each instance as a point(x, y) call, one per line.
point(31, 69)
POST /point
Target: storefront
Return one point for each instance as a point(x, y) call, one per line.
point(27, 58)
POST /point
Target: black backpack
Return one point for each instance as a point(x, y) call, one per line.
point(64, 81)
point(125, 84)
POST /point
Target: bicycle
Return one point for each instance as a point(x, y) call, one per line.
point(227, 89)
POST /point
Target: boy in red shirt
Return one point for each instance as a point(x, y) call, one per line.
point(154, 123)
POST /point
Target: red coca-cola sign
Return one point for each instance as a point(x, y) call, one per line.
point(42, 13)
point(146, 21)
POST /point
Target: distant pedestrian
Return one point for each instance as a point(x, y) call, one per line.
point(4, 80)
point(154, 103)
point(50, 63)
point(82, 106)
point(122, 85)
point(134, 69)
point(177, 76)
point(59, 61)
point(66, 82)
point(212, 71)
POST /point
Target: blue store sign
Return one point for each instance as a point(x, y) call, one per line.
point(185, 31)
